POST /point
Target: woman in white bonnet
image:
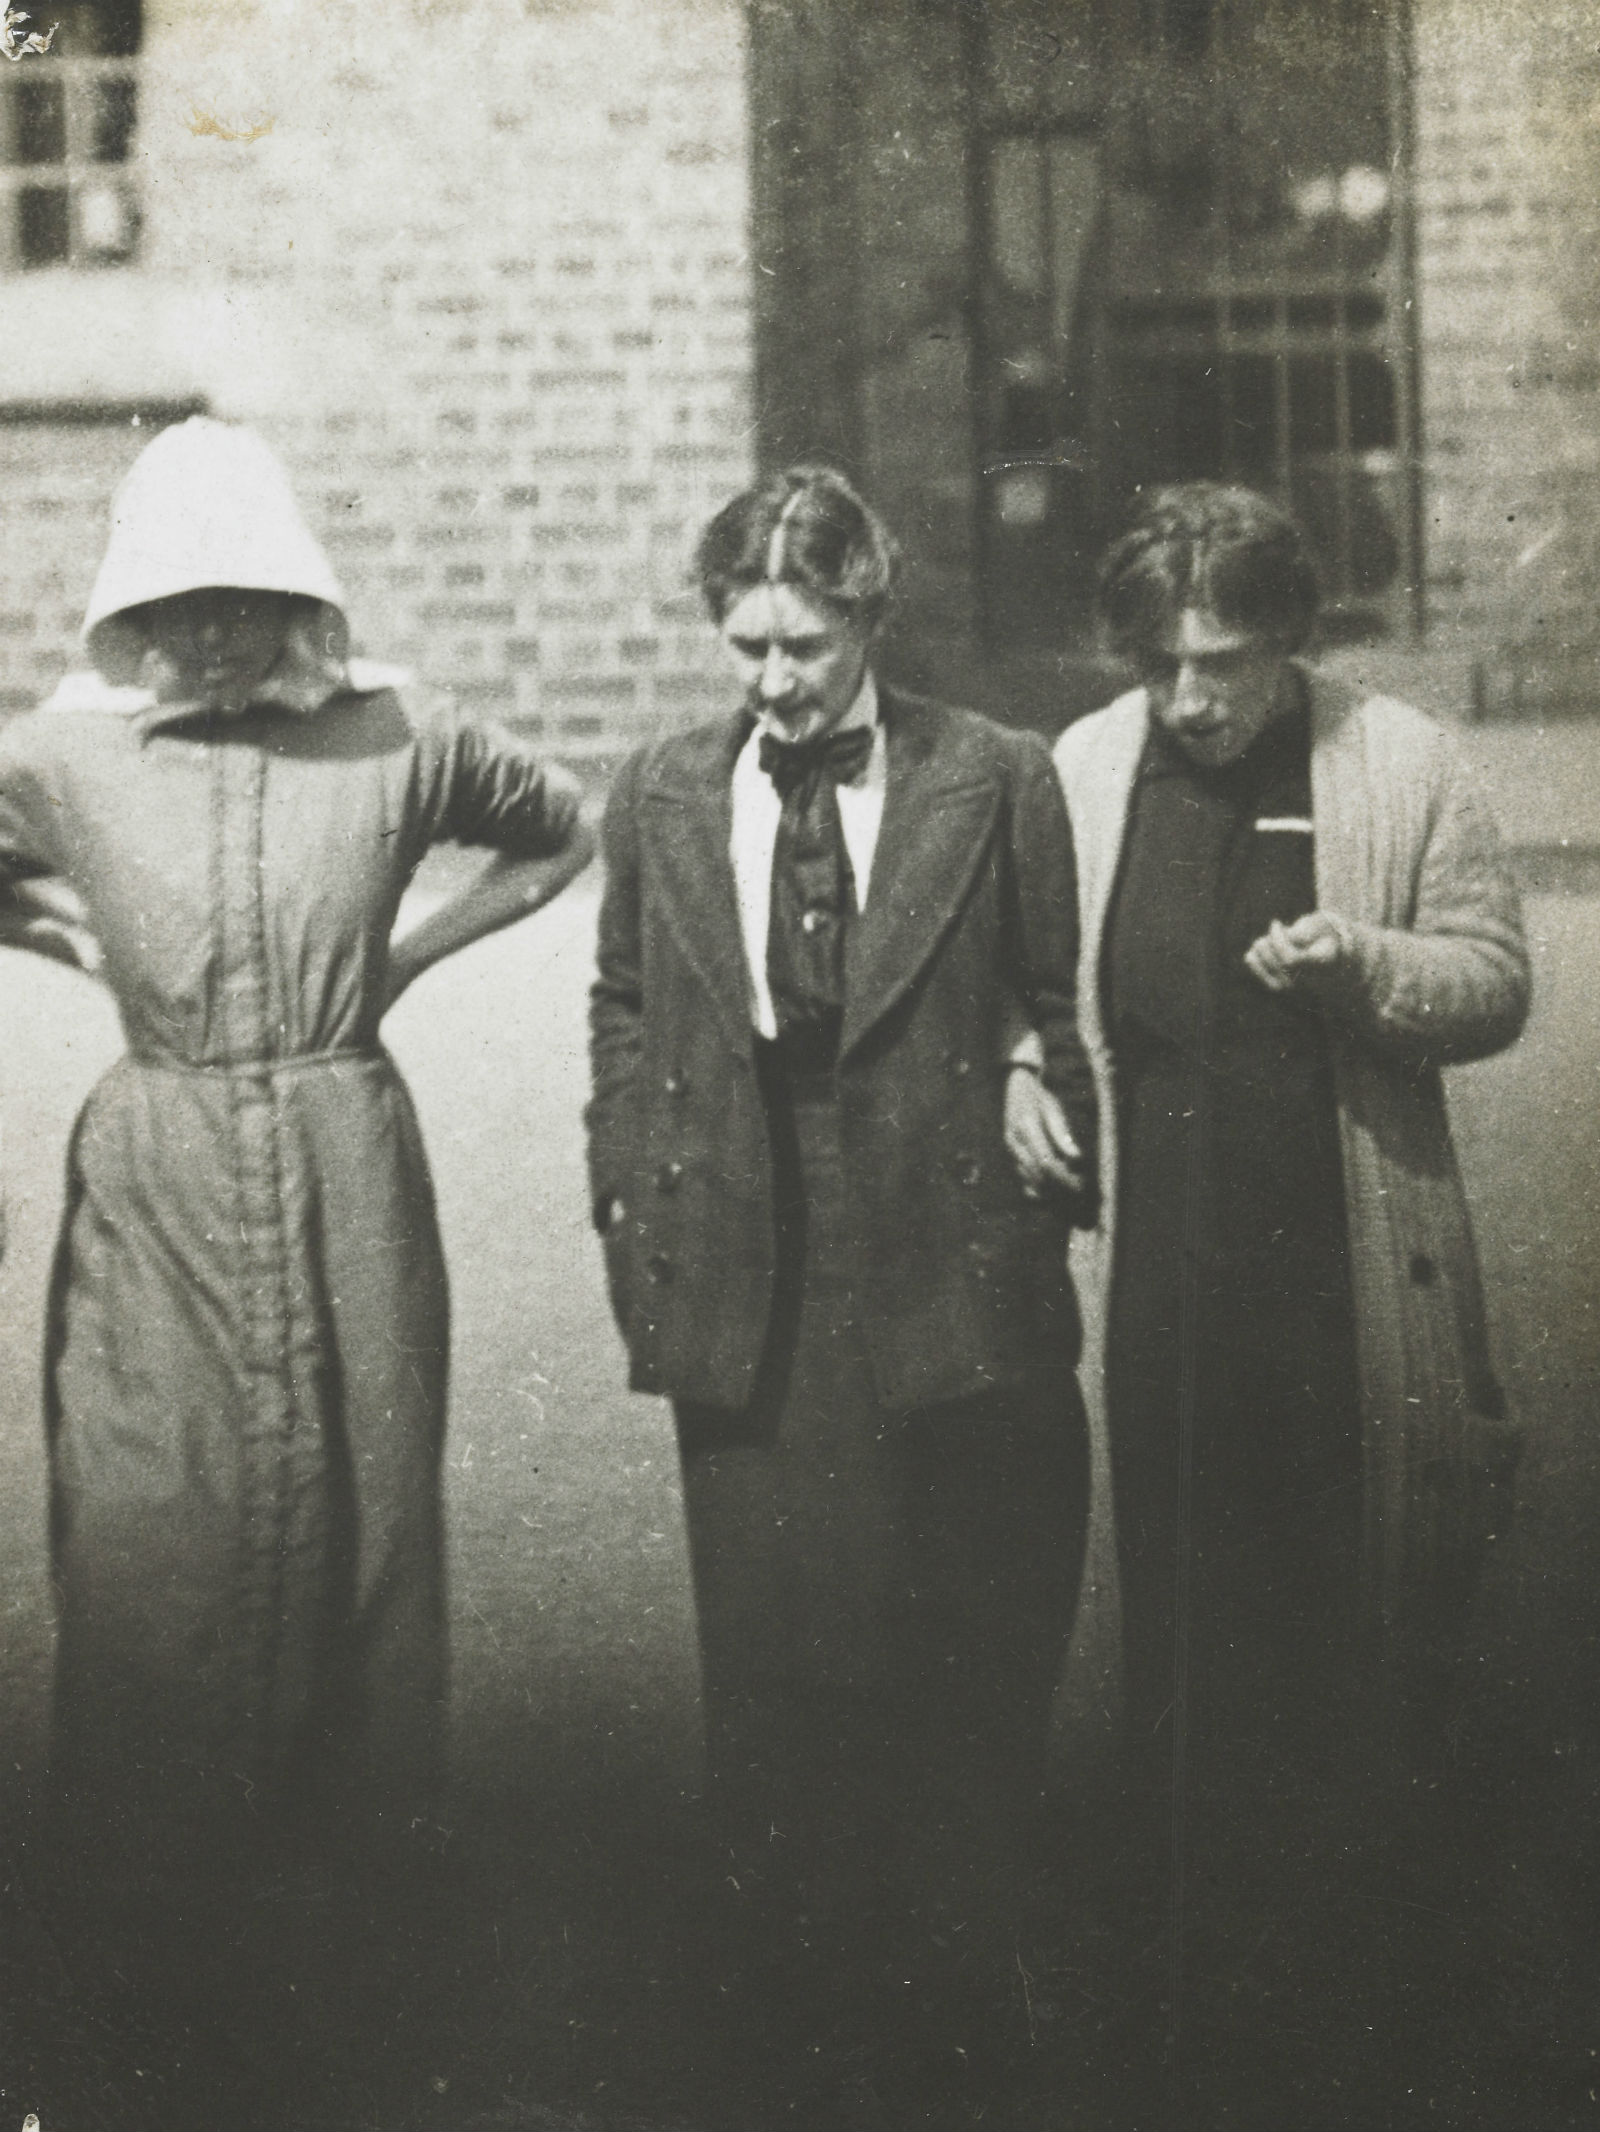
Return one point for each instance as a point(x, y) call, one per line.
point(248, 1322)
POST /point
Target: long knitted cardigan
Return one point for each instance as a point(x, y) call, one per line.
point(1406, 854)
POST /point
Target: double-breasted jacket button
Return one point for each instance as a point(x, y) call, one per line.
point(961, 1068)
point(677, 1082)
point(669, 1176)
point(969, 1170)
point(1422, 1269)
point(660, 1268)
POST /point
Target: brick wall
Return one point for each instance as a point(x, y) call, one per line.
point(1508, 114)
point(54, 482)
point(484, 282)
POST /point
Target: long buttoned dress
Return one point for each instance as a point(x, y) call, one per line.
point(248, 1329)
point(1232, 1375)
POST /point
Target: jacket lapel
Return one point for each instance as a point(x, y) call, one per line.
point(687, 821)
point(940, 804)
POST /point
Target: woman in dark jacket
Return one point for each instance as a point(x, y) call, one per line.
point(823, 909)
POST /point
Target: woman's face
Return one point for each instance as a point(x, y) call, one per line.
point(1215, 689)
point(801, 661)
point(222, 641)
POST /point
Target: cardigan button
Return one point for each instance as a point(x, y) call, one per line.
point(669, 1176)
point(660, 1269)
point(677, 1082)
point(1422, 1269)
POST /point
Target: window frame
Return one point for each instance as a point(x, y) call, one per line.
point(80, 172)
point(1219, 308)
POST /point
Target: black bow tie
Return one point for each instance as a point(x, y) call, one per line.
point(792, 763)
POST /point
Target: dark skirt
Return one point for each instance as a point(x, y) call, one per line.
point(884, 1597)
point(1235, 1422)
point(1231, 1378)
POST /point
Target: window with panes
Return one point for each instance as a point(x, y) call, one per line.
point(67, 124)
point(1193, 261)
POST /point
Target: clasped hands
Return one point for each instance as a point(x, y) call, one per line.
point(1315, 955)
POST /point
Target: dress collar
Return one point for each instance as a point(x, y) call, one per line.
point(88, 690)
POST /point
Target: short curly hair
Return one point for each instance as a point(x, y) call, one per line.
point(806, 527)
point(1208, 544)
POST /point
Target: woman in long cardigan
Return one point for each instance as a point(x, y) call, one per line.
point(1295, 911)
point(248, 1334)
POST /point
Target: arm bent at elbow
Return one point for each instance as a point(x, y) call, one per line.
point(1451, 985)
point(1449, 998)
point(42, 916)
point(507, 889)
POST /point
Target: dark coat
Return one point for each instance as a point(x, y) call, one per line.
point(972, 905)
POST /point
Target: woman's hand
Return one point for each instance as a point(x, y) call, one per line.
point(1315, 955)
point(506, 890)
point(45, 917)
point(1038, 1137)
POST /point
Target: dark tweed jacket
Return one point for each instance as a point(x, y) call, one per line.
point(972, 905)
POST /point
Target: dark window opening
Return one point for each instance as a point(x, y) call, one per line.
point(43, 225)
point(68, 118)
point(116, 112)
point(40, 119)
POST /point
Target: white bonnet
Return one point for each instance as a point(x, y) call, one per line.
point(206, 503)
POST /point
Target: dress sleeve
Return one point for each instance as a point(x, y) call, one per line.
point(483, 785)
point(46, 920)
point(27, 845)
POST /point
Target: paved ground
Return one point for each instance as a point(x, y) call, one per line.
point(574, 1671)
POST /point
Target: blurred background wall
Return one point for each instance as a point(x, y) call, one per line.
point(524, 288)
point(480, 273)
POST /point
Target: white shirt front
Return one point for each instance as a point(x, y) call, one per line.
point(756, 813)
